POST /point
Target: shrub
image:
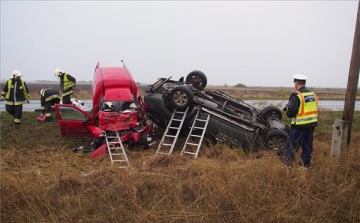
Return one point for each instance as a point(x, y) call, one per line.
point(240, 85)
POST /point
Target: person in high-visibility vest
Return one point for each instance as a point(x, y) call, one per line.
point(49, 97)
point(67, 84)
point(302, 108)
point(16, 93)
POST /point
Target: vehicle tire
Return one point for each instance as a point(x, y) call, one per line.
point(271, 112)
point(181, 97)
point(276, 140)
point(197, 78)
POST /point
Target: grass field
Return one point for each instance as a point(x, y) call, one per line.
point(43, 180)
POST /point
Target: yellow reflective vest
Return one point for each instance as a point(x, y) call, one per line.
point(308, 109)
point(67, 83)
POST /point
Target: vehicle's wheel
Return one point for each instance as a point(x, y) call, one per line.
point(276, 139)
point(181, 96)
point(271, 112)
point(197, 78)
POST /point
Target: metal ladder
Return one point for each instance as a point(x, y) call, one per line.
point(116, 150)
point(199, 124)
point(174, 123)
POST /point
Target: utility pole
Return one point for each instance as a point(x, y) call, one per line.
point(353, 78)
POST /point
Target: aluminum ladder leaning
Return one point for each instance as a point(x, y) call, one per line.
point(116, 150)
point(175, 123)
point(200, 125)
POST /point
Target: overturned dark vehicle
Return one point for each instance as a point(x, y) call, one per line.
point(232, 121)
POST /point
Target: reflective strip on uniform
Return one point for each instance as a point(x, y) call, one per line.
point(68, 93)
point(52, 97)
point(304, 119)
point(17, 120)
point(15, 103)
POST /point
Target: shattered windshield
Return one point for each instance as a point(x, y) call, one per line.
point(117, 106)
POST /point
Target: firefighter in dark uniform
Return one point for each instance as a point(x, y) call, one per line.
point(49, 97)
point(302, 108)
point(16, 93)
point(67, 83)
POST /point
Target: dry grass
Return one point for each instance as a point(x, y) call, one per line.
point(42, 180)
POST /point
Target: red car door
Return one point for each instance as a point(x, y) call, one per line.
point(73, 121)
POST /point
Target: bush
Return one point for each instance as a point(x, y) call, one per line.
point(240, 85)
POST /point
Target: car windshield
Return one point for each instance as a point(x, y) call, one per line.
point(117, 106)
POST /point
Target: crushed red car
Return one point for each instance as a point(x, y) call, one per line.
point(118, 109)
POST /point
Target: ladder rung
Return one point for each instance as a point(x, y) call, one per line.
point(162, 153)
point(111, 137)
point(173, 127)
point(199, 128)
point(196, 135)
point(119, 160)
point(165, 144)
point(179, 112)
point(193, 144)
point(113, 142)
point(177, 119)
point(201, 120)
point(170, 136)
point(189, 152)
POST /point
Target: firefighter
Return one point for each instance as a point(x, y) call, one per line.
point(16, 93)
point(49, 97)
point(67, 83)
point(302, 108)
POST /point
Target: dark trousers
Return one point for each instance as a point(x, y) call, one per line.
point(15, 111)
point(48, 105)
point(66, 99)
point(303, 137)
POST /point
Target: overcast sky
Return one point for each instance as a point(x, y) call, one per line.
point(256, 43)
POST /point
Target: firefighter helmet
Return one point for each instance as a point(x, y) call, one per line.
point(58, 72)
point(42, 91)
point(17, 73)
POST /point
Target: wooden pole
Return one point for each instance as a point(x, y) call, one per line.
point(353, 78)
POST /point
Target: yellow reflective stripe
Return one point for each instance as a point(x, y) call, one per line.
point(9, 86)
point(52, 97)
point(68, 93)
point(17, 120)
point(24, 90)
point(15, 103)
point(305, 119)
point(48, 114)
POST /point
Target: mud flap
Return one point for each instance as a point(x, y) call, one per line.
point(99, 151)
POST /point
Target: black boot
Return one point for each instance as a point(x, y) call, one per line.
point(17, 125)
point(48, 119)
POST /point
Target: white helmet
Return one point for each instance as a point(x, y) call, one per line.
point(42, 91)
point(17, 73)
point(58, 72)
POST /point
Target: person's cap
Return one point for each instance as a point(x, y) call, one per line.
point(299, 77)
